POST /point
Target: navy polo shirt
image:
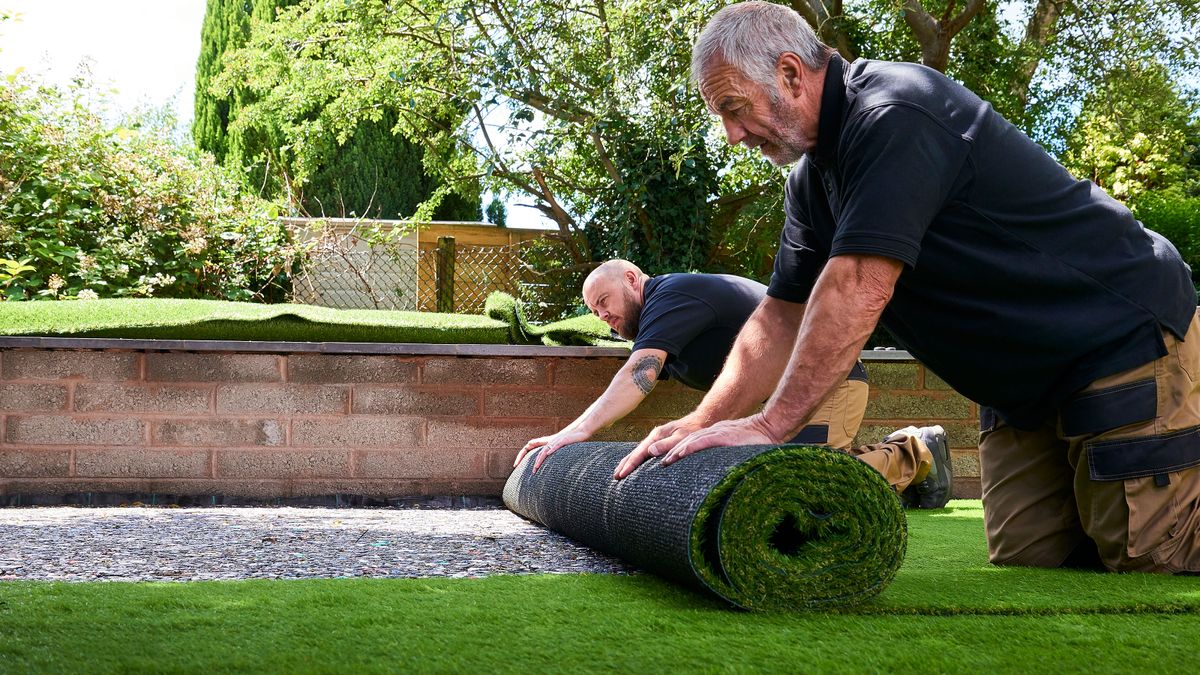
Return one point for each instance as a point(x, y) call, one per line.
point(1021, 284)
point(695, 319)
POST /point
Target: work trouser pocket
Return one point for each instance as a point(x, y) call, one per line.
point(1145, 466)
point(1100, 410)
point(1137, 452)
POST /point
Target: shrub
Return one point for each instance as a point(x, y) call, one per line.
point(1176, 216)
point(102, 209)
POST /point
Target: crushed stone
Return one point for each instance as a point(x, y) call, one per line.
point(192, 544)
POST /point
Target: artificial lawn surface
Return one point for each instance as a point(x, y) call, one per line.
point(947, 611)
point(152, 318)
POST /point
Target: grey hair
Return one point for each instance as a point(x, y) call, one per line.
point(751, 36)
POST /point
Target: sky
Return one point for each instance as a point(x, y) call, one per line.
point(145, 49)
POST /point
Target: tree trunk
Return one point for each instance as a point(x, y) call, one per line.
point(935, 34)
point(824, 17)
point(1038, 33)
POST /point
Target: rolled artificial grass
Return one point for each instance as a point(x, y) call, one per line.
point(764, 527)
point(579, 330)
point(168, 319)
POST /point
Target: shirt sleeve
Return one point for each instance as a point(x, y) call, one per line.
point(899, 167)
point(671, 320)
point(801, 255)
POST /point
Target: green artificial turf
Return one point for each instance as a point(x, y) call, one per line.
point(580, 330)
point(836, 509)
point(147, 318)
point(946, 611)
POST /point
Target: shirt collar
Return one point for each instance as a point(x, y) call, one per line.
point(829, 121)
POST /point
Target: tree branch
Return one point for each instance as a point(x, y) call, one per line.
point(935, 36)
point(1038, 32)
point(557, 214)
point(638, 210)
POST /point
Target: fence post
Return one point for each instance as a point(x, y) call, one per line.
point(445, 274)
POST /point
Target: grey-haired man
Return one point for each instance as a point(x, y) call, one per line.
point(913, 203)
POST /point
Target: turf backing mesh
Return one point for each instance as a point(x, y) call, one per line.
point(764, 527)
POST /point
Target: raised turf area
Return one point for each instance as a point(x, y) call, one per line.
point(152, 318)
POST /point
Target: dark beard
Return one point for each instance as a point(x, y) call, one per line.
point(632, 321)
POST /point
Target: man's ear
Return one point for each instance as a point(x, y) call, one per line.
point(790, 72)
point(631, 278)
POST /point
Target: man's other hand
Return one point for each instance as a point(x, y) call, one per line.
point(549, 445)
point(746, 431)
point(660, 441)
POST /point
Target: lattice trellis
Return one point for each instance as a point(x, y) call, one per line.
point(348, 271)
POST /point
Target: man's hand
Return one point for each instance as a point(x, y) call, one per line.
point(660, 441)
point(751, 430)
point(549, 446)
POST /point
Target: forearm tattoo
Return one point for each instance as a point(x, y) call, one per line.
point(645, 373)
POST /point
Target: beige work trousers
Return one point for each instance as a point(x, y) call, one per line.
point(901, 463)
point(1112, 480)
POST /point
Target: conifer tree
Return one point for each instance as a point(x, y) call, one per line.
point(375, 173)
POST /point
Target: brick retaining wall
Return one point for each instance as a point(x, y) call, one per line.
point(269, 422)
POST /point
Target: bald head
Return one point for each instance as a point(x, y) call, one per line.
point(613, 292)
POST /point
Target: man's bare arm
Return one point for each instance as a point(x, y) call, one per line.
point(628, 388)
point(845, 306)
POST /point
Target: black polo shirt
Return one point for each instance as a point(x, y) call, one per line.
point(695, 319)
point(1021, 283)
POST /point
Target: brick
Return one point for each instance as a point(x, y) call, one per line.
point(21, 463)
point(491, 434)
point(967, 488)
point(64, 364)
point(141, 462)
point(212, 367)
point(539, 402)
point(927, 405)
point(64, 430)
point(965, 463)
point(309, 463)
point(932, 381)
point(350, 368)
point(395, 488)
point(32, 397)
point(485, 371)
point(141, 398)
point(593, 372)
point(282, 398)
point(500, 462)
point(670, 400)
point(219, 432)
point(628, 429)
point(370, 400)
point(262, 489)
point(357, 432)
point(453, 463)
point(883, 375)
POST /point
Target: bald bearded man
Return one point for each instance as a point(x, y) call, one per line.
point(683, 327)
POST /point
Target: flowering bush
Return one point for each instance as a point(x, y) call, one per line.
point(94, 209)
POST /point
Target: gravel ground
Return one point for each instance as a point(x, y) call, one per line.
point(188, 544)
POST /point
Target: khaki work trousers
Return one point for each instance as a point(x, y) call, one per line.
point(1113, 479)
point(901, 462)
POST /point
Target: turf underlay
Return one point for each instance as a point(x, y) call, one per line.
point(947, 610)
point(152, 318)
